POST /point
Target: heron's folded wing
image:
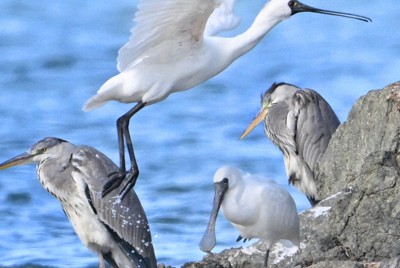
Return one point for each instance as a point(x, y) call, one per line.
point(125, 219)
point(316, 123)
point(159, 21)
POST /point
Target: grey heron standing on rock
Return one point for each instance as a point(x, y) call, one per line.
point(172, 48)
point(117, 230)
point(300, 123)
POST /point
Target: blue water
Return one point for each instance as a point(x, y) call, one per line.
point(56, 54)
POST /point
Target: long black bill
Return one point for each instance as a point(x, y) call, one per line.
point(298, 7)
point(21, 159)
point(208, 241)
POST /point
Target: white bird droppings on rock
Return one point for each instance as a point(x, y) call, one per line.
point(283, 249)
point(319, 211)
point(250, 250)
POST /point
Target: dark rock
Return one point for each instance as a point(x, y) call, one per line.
point(370, 138)
point(358, 222)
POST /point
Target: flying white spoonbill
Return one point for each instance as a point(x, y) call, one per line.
point(171, 49)
point(256, 207)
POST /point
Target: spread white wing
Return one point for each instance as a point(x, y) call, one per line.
point(222, 19)
point(163, 25)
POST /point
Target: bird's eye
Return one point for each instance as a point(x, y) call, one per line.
point(292, 3)
point(43, 150)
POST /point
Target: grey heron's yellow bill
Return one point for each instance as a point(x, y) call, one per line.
point(257, 120)
point(21, 159)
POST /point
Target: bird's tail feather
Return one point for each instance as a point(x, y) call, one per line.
point(108, 91)
point(94, 102)
point(301, 176)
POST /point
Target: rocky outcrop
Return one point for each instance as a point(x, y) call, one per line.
point(358, 222)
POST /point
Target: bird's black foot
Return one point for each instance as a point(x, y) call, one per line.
point(293, 179)
point(313, 201)
point(130, 179)
point(115, 181)
point(244, 239)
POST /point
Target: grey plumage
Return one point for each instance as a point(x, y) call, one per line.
point(117, 230)
point(300, 123)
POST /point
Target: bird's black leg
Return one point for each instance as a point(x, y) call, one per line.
point(312, 200)
point(266, 258)
point(124, 135)
point(121, 145)
point(134, 170)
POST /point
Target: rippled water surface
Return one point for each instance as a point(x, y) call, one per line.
point(56, 54)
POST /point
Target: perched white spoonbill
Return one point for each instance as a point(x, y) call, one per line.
point(256, 207)
point(171, 50)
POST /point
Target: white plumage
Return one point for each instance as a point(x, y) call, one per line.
point(256, 207)
point(171, 47)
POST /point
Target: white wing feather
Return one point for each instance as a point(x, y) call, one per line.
point(158, 22)
point(222, 19)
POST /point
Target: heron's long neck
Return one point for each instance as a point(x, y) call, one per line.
point(55, 174)
point(262, 24)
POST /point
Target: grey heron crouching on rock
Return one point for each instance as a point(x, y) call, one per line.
point(300, 123)
point(117, 230)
